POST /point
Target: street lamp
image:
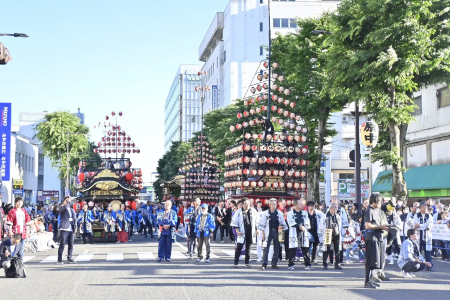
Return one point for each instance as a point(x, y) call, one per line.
point(202, 89)
point(14, 34)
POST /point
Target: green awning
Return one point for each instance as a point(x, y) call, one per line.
point(421, 178)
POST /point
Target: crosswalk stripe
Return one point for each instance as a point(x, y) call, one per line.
point(146, 256)
point(27, 258)
point(84, 257)
point(114, 256)
point(177, 254)
point(228, 252)
point(50, 259)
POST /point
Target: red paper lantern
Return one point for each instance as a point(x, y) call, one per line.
point(129, 177)
point(81, 177)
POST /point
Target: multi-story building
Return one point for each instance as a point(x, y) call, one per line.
point(23, 165)
point(183, 106)
point(426, 155)
point(237, 40)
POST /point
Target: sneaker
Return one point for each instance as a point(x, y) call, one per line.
point(291, 268)
point(376, 284)
point(374, 277)
point(71, 261)
point(337, 267)
point(59, 263)
point(275, 267)
point(248, 266)
point(159, 260)
point(190, 256)
point(235, 266)
point(168, 259)
point(309, 268)
point(412, 275)
point(259, 260)
point(325, 267)
point(207, 260)
point(370, 285)
point(263, 267)
point(405, 274)
point(362, 261)
point(347, 262)
point(199, 259)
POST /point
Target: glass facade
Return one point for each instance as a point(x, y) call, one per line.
point(183, 89)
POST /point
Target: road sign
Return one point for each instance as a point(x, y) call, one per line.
point(17, 184)
point(5, 136)
point(18, 191)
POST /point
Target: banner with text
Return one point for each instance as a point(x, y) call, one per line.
point(5, 135)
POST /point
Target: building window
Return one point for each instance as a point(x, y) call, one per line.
point(418, 102)
point(443, 97)
point(261, 50)
point(346, 175)
point(261, 26)
point(277, 23)
point(224, 56)
point(284, 23)
point(292, 23)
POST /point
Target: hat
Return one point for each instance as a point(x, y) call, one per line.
point(204, 205)
point(423, 203)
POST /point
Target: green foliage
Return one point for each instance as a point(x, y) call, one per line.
point(303, 60)
point(382, 52)
point(169, 164)
point(53, 136)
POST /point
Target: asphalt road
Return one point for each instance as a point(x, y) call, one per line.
point(129, 271)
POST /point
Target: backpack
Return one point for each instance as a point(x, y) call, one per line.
point(17, 269)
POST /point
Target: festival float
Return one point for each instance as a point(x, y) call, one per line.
point(269, 163)
point(111, 180)
point(201, 174)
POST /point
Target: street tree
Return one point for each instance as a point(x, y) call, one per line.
point(53, 135)
point(303, 61)
point(382, 52)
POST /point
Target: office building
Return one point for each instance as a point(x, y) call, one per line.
point(183, 106)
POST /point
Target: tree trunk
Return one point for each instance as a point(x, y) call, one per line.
point(398, 183)
point(314, 176)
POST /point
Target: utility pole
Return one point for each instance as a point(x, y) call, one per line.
point(357, 159)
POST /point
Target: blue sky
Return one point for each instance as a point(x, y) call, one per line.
point(102, 55)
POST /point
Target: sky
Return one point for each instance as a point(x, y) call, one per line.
point(102, 56)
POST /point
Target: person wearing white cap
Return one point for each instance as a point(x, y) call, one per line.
point(203, 228)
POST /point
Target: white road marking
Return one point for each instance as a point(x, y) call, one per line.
point(146, 256)
point(228, 252)
point(84, 257)
point(50, 259)
point(114, 256)
point(86, 251)
point(177, 255)
point(27, 258)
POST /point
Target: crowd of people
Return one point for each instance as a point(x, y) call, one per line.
point(384, 228)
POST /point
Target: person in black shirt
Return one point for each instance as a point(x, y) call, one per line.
point(315, 219)
point(332, 221)
point(375, 242)
point(219, 212)
point(227, 219)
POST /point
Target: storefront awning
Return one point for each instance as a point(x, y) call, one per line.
point(422, 178)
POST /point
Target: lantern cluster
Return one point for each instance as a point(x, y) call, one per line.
point(273, 162)
point(201, 173)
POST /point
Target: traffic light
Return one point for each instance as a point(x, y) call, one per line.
point(5, 57)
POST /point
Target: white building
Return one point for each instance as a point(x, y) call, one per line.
point(183, 106)
point(24, 165)
point(236, 42)
point(426, 155)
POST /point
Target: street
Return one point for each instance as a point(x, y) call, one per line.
point(130, 271)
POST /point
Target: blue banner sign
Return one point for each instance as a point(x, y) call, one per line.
point(5, 136)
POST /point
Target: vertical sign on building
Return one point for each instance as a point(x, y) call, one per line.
point(215, 97)
point(5, 135)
